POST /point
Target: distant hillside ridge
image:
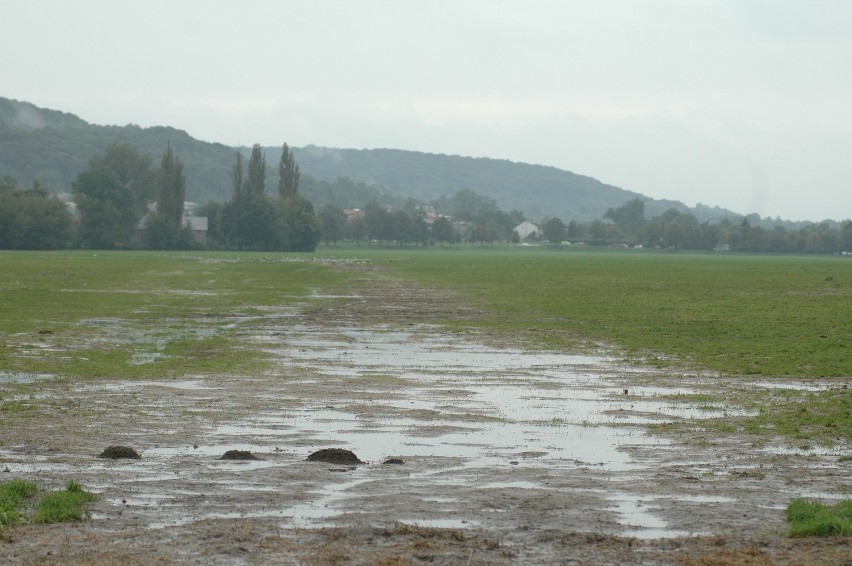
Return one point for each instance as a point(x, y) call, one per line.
point(54, 147)
point(538, 191)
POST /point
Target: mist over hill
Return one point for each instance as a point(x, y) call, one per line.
point(53, 147)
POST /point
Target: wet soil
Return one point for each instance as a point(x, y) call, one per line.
point(116, 452)
point(334, 456)
point(238, 455)
point(508, 456)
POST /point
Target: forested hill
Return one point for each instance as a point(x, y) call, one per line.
point(536, 190)
point(54, 147)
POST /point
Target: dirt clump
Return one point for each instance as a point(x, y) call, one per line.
point(238, 455)
point(335, 456)
point(117, 452)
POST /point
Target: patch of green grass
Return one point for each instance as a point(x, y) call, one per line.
point(746, 315)
point(16, 406)
point(13, 497)
point(770, 316)
point(823, 416)
point(800, 417)
point(810, 518)
point(84, 314)
point(63, 506)
point(17, 496)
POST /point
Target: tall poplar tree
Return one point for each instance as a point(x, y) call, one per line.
point(171, 189)
point(237, 178)
point(288, 174)
point(252, 217)
point(164, 227)
point(256, 179)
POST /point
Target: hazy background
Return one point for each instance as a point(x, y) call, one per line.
point(745, 104)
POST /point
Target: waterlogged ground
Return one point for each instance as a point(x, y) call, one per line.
point(508, 455)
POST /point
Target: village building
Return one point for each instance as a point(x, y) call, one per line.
point(527, 229)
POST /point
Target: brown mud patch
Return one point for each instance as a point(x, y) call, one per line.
point(118, 452)
point(335, 456)
point(238, 455)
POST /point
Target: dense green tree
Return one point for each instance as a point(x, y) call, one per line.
point(162, 234)
point(238, 200)
point(256, 174)
point(134, 170)
point(341, 192)
point(249, 218)
point(844, 240)
point(483, 233)
point(443, 231)
point(332, 220)
point(288, 174)
point(355, 229)
point(553, 230)
point(467, 205)
point(630, 218)
point(164, 227)
point(419, 229)
point(32, 219)
point(379, 222)
point(298, 228)
point(113, 194)
point(171, 188)
point(257, 229)
point(106, 206)
point(238, 178)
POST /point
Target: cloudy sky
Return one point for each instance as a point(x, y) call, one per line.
point(745, 104)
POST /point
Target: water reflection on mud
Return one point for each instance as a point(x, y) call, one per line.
point(499, 438)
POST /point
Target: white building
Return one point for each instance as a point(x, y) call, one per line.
point(526, 229)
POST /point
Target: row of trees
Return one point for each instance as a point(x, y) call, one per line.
point(32, 218)
point(463, 216)
point(252, 220)
point(111, 197)
point(122, 200)
point(675, 229)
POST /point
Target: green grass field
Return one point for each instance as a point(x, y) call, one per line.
point(772, 317)
point(84, 314)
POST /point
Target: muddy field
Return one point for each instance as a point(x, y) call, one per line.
point(475, 451)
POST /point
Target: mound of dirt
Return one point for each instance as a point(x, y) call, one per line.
point(396, 461)
point(334, 456)
point(238, 455)
point(116, 452)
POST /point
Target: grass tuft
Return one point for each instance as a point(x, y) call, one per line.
point(810, 518)
point(13, 496)
point(63, 506)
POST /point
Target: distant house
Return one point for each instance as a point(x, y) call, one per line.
point(198, 225)
point(526, 229)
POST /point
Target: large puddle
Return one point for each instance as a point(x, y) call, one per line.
point(476, 427)
point(424, 395)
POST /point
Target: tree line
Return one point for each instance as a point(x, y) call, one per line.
point(123, 200)
point(673, 229)
point(251, 220)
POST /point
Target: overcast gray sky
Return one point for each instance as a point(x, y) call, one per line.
point(746, 104)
